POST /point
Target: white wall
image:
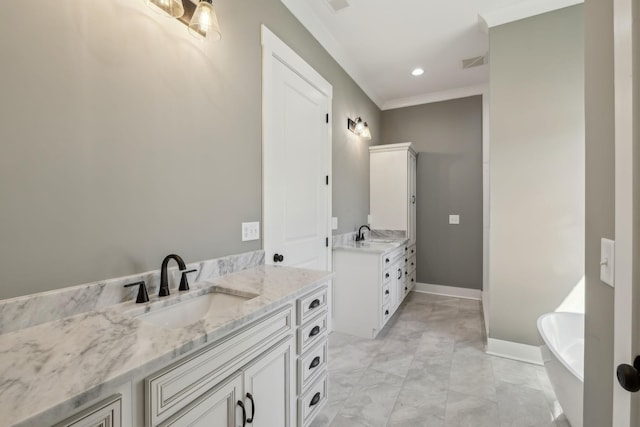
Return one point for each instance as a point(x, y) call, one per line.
point(537, 169)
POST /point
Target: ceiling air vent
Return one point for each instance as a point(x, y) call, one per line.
point(474, 62)
point(338, 5)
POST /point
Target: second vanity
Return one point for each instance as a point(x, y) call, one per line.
point(372, 279)
point(257, 356)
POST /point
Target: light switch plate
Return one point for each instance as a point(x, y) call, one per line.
point(334, 223)
point(607, 261)
point(454, 219)
point(369, 219)
point(250, 231)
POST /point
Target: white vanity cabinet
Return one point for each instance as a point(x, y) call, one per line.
point(368, 289)
point(393, 188)
point(256, 374)
point(107, 413)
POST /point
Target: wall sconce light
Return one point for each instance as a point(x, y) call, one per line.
point(201, 19)
point(359, 127)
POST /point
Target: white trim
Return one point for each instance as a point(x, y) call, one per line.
point(515, 351)
point(448, 291)
point(307, 17)
point(486, 206)
point(521, 10)
point(428, 98)
point(624, 200)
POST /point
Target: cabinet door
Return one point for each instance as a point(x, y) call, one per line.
point(411, 232)
point(216, 408)
point(268, 385)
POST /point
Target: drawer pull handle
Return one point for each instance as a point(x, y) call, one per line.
point(412, 250)
point(412, 264)
point(406, 289)
point(253, 408)
point(406, 273)
point(315, 331)
point(315, 363)
point(386, 292)
point(386, 313)
point(315, 400)
point(244, 413)
point(386, 260)
point(314, 304)
point(386, 276)
point(399, 273)
point(405, 260)
point(413, 280)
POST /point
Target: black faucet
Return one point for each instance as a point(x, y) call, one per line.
point(360, 236)
point(164, 283)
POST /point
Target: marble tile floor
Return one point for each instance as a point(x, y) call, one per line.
point(428, 368)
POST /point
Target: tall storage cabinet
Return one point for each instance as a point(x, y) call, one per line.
point(393, 188)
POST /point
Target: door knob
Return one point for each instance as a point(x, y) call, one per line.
point(629, 376)
point(278, 258)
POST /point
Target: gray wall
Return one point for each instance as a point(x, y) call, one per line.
point(448, 137)
point(124, 139)
point(537, 169)
point(600, 212)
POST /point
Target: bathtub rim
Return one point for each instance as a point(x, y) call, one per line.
point(552, 349)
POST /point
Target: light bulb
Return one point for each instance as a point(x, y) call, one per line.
point(366, 133)
point(417, 72)
point(205, 22)
point(359, 128)
point(170, 8)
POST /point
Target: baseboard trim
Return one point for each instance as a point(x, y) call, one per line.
point(449, 291)
point(515, 351)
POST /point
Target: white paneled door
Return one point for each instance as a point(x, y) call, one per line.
point(296, 160)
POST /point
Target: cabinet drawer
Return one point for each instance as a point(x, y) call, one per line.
point(411, 283)
point(311, 365)
point(386, 313)
point(386, 293)
point(169, 390)
point(310, 305)
point(216, 407)
point(107, 413)
point(411, 251)
point(312, 401)
point(411, 264)
point(312, 332)
point(386, 276)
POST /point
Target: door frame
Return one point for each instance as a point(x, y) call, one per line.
point(624, 204)
point(274, 49)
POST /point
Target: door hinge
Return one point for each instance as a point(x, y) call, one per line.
point(327, 117)
point(326, 242)
point(327, 179)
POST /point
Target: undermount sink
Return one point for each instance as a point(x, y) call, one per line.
point(380, 241)
point(192, 310)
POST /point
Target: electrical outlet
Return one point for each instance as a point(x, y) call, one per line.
point(607, 261)
point(454, 219)
point(250, 231)
point(334, 223)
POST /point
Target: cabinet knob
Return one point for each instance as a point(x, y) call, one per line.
point(386, 275)
point(386, 260)
point(386, 312)
point(278, 258)
point(386, 292)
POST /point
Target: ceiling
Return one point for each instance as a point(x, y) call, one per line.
point(379, 42)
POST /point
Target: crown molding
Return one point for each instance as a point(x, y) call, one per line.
point(307, 17)
point(429, 98)
point(520, 11)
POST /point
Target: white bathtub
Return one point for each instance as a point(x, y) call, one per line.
point(563, 335)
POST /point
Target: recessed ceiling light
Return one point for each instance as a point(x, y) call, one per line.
point(417, 72)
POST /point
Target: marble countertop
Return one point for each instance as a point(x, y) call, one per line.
point(378, 246)
point(48, 370)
